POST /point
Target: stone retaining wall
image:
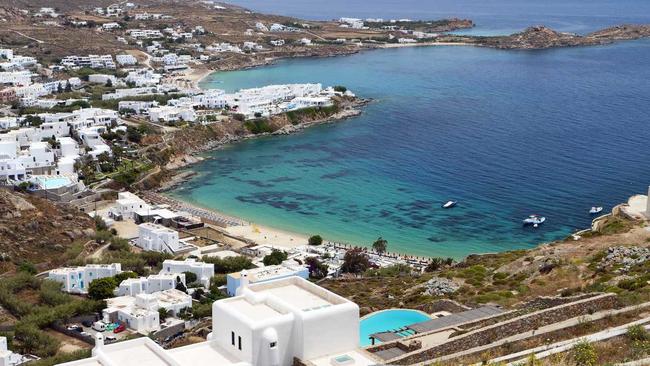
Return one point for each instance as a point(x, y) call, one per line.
point(529, 322)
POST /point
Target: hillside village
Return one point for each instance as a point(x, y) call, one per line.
point(100, 267)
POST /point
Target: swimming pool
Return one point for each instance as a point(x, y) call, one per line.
point(53, 182)
point(386, 320)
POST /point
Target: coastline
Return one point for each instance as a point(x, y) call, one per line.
point(260, 233)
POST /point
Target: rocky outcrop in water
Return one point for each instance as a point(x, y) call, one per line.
point(540, 37)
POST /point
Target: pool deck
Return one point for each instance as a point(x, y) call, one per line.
point(442, 323)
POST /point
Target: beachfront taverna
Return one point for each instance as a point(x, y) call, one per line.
point(276, 323)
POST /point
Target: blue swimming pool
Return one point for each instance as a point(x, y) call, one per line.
point(53, 182)
point(386, 320)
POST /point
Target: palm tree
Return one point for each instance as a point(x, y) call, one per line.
point(380, 245)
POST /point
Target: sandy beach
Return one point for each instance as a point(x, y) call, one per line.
point(263, 235)
point(190, 78)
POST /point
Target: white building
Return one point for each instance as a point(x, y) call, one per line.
point(140, 312)
point(151, 284)
point(77, 279)
point(267, 324)
point(264, 274)
point(203, 271)
point(139, 107)
point(102, 79)
point(143, 77)
point(126, 205)
point(91, 61)
point(157, 238)
point(172, 114)
point(9, 358)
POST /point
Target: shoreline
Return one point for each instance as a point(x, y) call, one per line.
point(252, 232)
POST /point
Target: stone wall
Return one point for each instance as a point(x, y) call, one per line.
point(529, 322)
point(406, 346)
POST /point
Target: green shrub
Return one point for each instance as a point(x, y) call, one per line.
point(315, 240)
point(258, 126)
point(584, 354)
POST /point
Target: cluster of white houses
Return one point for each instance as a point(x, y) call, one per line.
point(138, 300)
point(281, 322)
point(23, 152)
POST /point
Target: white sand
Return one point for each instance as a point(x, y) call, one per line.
point(263, 235)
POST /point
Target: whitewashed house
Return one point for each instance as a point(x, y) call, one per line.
point(150, 284)
point(203, 271)
point(277, 323)
point(140, 312)
point(157, 238)
point(77, 279)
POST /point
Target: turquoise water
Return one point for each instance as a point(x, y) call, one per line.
point(387, 320)
point(507, 134)
point(53, 183)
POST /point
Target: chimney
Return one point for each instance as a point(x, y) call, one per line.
point(243, 282)
point(99, 343)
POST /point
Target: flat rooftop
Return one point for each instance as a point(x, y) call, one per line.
point(255, 312)
point(268, 272)
point(299, 293)
point(202, 354)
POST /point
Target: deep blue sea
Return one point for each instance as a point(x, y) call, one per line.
point(506, 133)
point(490, 16)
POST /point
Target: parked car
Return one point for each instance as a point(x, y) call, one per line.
point(99, 326)
point(85, 334)
point(87, 323)
point(74, 327)
point(120, 328)
point(110, 338)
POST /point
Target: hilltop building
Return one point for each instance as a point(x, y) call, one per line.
point(277, 323)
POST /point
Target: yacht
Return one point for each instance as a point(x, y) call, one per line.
point(595, 210)
point(449, 204)
point(534, 220)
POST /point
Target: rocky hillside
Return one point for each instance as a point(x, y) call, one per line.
point(36, 230)
point(540, 37)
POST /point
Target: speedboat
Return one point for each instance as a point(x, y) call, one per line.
point(534, 220)
point(595, 210)
point(449, 204)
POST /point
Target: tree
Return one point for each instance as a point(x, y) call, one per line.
point(102, 288)
point(181, 287)
point(162, 314)
point(276, 257)
point(190, 277)
point(340, 89)
point(317, 269)
point(315, 240)
point(380, 245)
point(229, 264)
point(355, 261)
point(109, 83)
point(119, 244)
point(434, 265)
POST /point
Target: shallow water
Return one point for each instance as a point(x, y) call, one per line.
point(507, 133)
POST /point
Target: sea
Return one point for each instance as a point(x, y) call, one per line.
point(505, 133)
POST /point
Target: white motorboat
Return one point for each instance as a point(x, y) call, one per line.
point(595, 210)
point(449, 204)
point(534, 220)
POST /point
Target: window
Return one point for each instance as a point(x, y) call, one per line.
point(273, 344)
point(239, 343)
point(232, 338)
